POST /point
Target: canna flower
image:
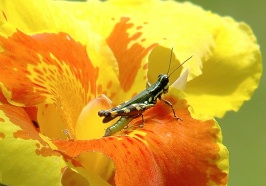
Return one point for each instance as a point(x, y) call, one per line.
point(62, 62)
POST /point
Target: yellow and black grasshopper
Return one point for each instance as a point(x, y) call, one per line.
point(137, 105)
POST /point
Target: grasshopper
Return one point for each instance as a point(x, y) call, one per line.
point(135, 107)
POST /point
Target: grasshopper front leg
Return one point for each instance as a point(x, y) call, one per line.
point(171, 105)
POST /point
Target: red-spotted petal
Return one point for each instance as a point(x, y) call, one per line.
point(35, 69)
point(47, 68)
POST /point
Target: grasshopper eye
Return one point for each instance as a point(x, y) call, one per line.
point(164, 78)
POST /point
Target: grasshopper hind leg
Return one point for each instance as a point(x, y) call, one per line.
point(117, 126)
point(121, 123)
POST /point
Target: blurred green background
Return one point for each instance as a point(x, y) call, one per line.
point(244, 132)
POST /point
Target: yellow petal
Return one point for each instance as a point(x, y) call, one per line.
point(25, 158)
point(231, 74)
point(23, 16)
point(226, 64)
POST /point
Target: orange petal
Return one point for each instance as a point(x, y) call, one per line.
point(167, 151)
point(2, 98)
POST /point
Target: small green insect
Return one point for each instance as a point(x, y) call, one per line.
point(137, 105)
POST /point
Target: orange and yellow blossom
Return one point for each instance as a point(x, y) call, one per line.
point(56, 67)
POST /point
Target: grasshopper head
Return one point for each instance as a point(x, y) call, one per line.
point(163, 80)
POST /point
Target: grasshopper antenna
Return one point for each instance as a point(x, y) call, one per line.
point(180, 65)
point(170, 60)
